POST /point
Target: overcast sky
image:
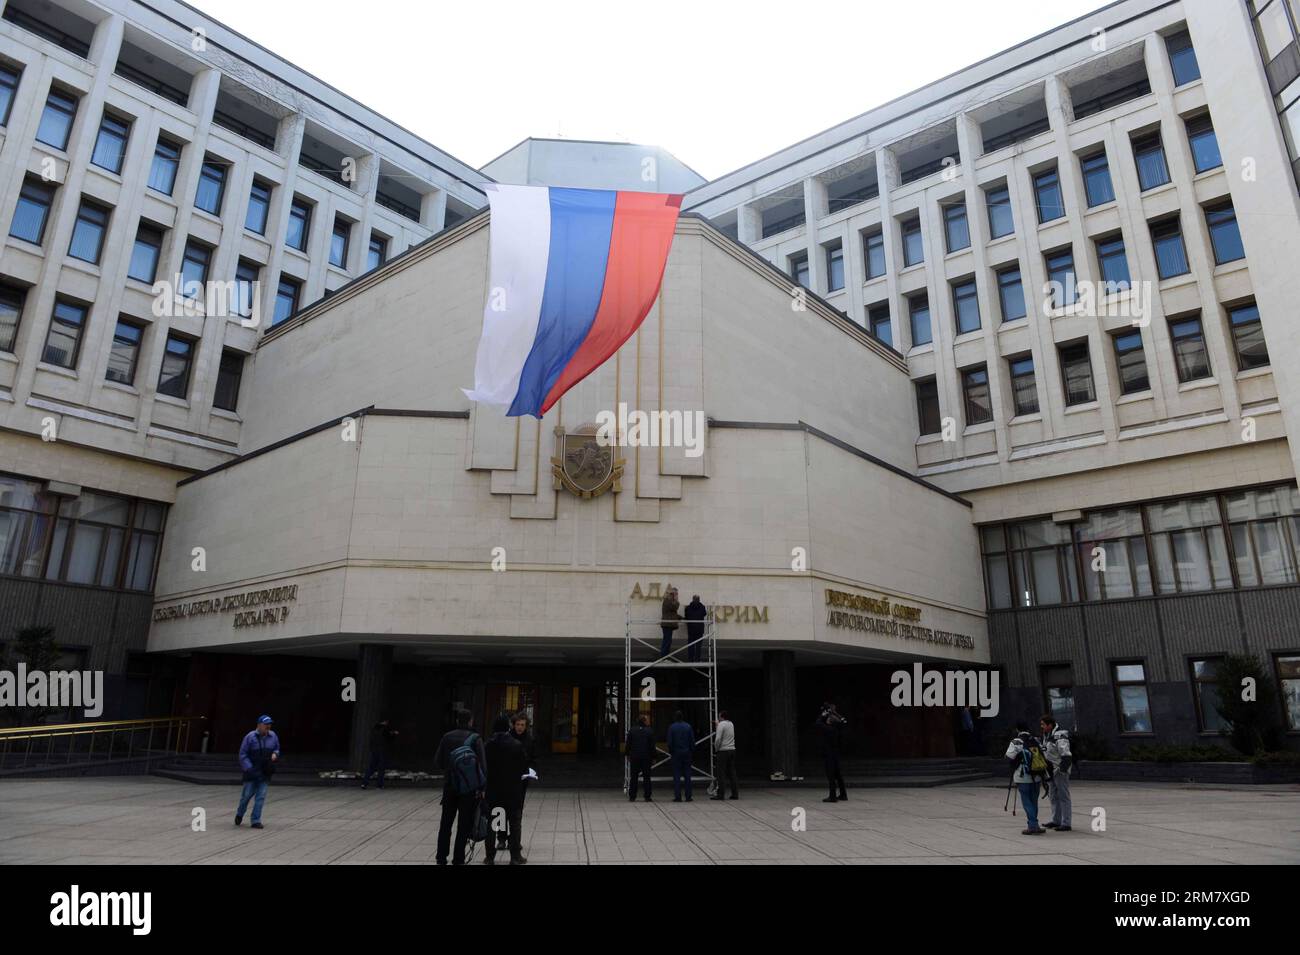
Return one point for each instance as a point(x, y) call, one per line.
point(715, 82)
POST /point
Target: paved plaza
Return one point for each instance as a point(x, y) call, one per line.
point(148, 820)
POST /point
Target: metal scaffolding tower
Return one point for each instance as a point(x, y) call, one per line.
point(642, 638)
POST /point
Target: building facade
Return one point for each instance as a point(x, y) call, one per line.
point(998, 374)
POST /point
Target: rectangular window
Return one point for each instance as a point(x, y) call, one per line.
point(1288, 681)
point(1204, 144)
point(1076, 373)
point(246, 274)
point(56, 119)
point(927, 406)
point(1001, 221)
point(1024, 385)
point(63, 341)
point(8, 90)
point(32, 212)
point(166, 160)
point(1042, 563)
point(212, 187)
point(1149, 154)
point(1113, 554)
point(194, 270)
point(88, 232)
point(1171, 254)
point(174, 378)
point(1062, 290)
point(1182, 58)
point(799, 269)
point(913, 247)
point(124, 352)
point(286, 299)
point(1248, 337)
point(110, 144)
point(1058, 694)
point(1191, 359)
point(259, 207)
point(1011, 294)
point(1131, 702)
point(299, 225)
point(1096, 179)
point(343, 232)
point(997, 575)
point(918, 308)
point(12, 300)
point(1188, 547)
point(965, 307)
point(878, 324)
point(956, 229)
point(229, 376)
point(1265, 528)
point(1113, 263)
point(1131, 362)
point(145, 254)
point(834, 268)
point(1225, 237)
point(377, 253)
point(874, 252)
point(1047, 194)
point(975, 395)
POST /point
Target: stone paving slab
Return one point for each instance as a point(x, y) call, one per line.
point(147, 820)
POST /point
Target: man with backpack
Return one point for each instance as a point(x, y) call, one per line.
point(1029, 768)
point(1056, 747)
point(461, 757)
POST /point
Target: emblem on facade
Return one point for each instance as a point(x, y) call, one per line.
point(582, 465)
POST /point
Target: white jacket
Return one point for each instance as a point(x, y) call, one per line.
point(1056, 746)
point(1016, 747)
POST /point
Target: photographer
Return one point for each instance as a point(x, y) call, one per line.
point(829, 727)
point(1025, 777)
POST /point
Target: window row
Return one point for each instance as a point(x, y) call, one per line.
point(97, 539)
point(1223, 541)
point(67, 329)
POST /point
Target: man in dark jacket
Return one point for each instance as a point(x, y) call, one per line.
point(681, 747)
point(457, 807)
point(829, 726)
point(668, 617)
point(379, 737)
point(519, 730)
point(695, 614)
point(507, 764)
point(640, 756)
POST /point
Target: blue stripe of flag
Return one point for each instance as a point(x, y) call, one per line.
point(582, 221)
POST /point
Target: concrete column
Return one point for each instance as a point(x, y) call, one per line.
point(374, 667)
point(779, 704)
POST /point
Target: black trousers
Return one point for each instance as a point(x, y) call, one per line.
point(376, 765)
point(833, 776)
point(640, 766)
point(726, 771)
point(456, 809)
point(514, 813)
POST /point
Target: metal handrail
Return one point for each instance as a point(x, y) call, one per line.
point(175, 740)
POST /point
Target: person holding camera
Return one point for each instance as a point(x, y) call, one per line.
point(1056, 747)
point(258, 754)
point(830, 727)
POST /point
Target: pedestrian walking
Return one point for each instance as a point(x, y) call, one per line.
point(461, 756)
point(724, 745)
point(681, 747)
point(640, 752)
point(380, 736)
point(830, 725)
point(258, 755)
point(507, 761)
point(1056, 747)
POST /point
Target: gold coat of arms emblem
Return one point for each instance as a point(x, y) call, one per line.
point(583, 465)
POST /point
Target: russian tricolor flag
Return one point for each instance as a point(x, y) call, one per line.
point(573, 274)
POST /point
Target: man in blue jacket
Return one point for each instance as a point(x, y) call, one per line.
point(681, 747)
point(258, 754)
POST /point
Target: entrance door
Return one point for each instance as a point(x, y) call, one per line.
point(509, 698)
point(564, 719)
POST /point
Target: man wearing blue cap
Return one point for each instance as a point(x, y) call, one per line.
point(258, 755)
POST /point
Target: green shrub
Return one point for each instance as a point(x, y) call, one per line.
point(1153, 753)
point(1253, 724)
